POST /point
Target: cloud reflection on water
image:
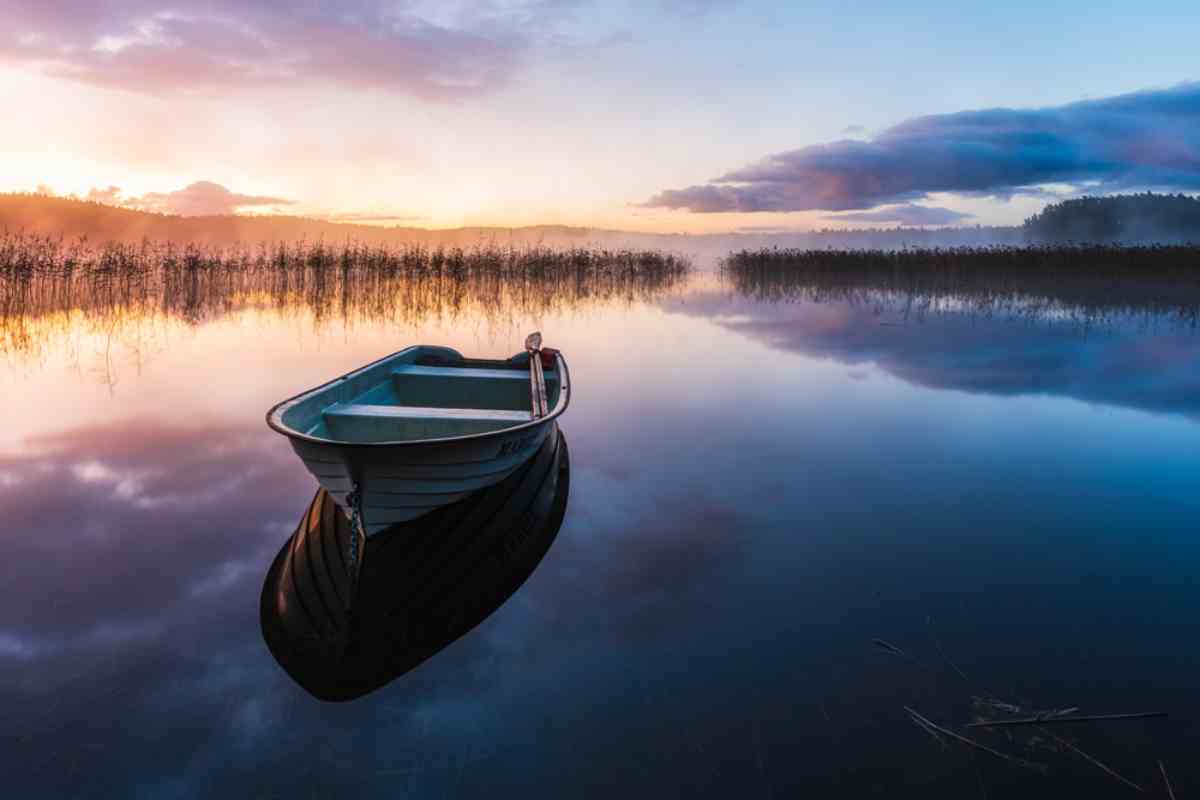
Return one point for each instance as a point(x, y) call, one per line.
point(130, 657)
point(1128, 360)
point(129, 542)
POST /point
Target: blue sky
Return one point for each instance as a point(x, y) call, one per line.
point(530, 111)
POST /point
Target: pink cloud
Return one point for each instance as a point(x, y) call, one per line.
point(203, 198)
point(109, 196)
point(223, 45)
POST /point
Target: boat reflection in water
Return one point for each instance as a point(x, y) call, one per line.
point(420, 585)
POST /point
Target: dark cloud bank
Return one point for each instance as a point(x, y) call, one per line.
point(1148, 139)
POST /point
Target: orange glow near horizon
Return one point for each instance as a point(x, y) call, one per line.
point(444, 215)
point(425, 167)
point(406, 162)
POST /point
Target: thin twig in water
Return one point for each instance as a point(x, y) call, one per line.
point(937, 737)
point(1166, 780)
point(999, 705)
point(942, 653)
point(1055, 718)
point(977, 745)
point(1058, 712)
point(896, 651)
point(1091, 760)
point(891, 648)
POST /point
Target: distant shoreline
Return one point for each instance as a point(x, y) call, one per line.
point(1133, 219)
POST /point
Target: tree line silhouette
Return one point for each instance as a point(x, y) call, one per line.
point(1125, 218)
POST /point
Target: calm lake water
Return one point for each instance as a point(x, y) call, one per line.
point(759, 489)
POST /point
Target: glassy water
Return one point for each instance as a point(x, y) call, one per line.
point(761, 485)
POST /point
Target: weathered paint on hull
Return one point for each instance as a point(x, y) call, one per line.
point(403, 483)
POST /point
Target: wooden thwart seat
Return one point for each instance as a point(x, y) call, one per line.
point(367, 423)
point(460, 372)
point(455, 387)
point(425, 412)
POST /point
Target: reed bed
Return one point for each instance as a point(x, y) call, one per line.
point(1079, 280)
point(45, 278)
point(1021, 734)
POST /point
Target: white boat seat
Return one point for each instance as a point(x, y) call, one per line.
point(422, 412)
point(461, 372)
point(361, 422)
point(453, 387)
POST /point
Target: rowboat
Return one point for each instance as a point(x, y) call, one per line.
point(423, 428)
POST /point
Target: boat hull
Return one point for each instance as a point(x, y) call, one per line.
point(396, 481)
point(397, 484)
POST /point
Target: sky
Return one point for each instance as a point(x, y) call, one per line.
point(662, 115)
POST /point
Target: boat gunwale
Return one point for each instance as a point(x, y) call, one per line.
point(275, 414)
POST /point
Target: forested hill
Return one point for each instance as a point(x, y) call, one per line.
point(1127, 218)
point(71, 218)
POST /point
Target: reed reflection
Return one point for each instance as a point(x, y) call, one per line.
point(49, 287)
point(1093, 283)
point(971, 325)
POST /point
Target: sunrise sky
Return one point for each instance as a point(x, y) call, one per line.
point(665, 115)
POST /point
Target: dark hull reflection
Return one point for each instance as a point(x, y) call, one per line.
point(421, 584)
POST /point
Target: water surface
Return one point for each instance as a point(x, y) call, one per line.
point(761, 486)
